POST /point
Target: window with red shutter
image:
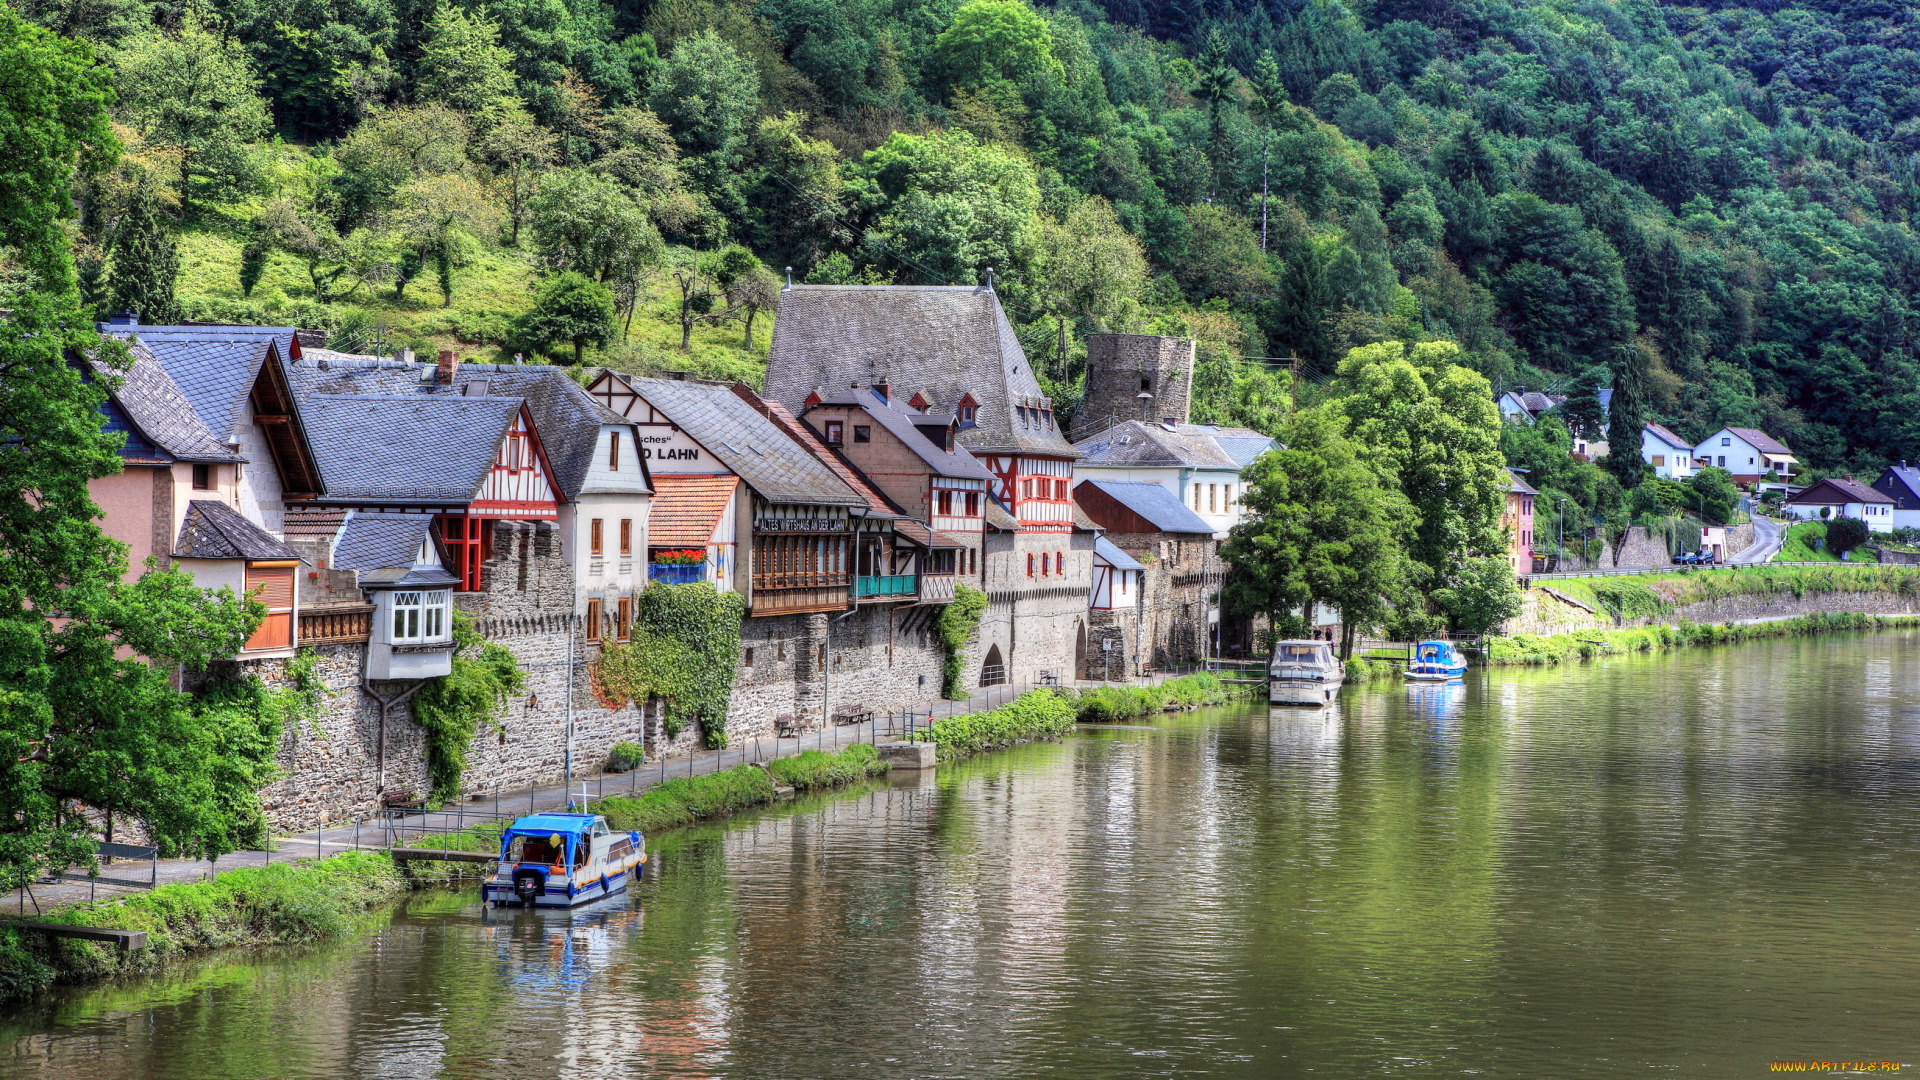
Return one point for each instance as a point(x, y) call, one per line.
point(272, 584)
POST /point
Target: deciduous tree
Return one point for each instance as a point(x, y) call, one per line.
point(194, 91)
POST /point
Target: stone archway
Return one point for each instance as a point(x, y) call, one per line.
point(993, 670)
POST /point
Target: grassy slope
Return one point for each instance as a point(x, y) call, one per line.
point(1798, 544)
point(488, 293)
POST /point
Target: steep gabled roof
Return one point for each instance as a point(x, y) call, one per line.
point(152, 403)
point(940, 341)
point(1152, 503)
point(686, 508)
point(747, 443)
point(215, 366)
point(214, 530)
point(1838, 489)
point(400, 450)
point(385, 549)
point(1147, 444)
point(1905, 476)
point(1760, 440)
point(878, 505)
point(1107, 552)
point(1668, 437)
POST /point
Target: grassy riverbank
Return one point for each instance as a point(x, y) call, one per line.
point(1107, 704)
point(287, 904)
point(1036, 714)
point(697, 798)
point(1535, 649)
point(1656, 596)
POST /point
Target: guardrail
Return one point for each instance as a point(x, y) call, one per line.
point(1673, 569)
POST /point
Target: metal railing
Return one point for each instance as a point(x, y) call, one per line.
point(677, 573)
point(885, 585)
point(103, 851)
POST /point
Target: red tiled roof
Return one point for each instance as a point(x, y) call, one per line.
point(686, 508)
point(314, 521)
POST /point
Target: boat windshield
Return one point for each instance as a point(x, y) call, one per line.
point(534, 849)
point(1298, 654)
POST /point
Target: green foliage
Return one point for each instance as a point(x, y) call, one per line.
point(571, 309)
point(193, 91)
point(1712, 493)
point(145, 264)
point(813, 770)
point(1036, 714)
point(959, 624)
point(1107, 704)
point(625, 757)
point(1844, 534)
point(462, 64)
point(282, 904)
point(992, 41)
point(685, 639)
point(53, 129)
point(943, 208)
point(1534, 649)
point(1806, 542)
point(454, 709)
point(1480, 595)
point(690, 799)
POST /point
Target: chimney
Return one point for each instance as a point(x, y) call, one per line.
point(884, 389)
point(123, 318)
point(449, 366)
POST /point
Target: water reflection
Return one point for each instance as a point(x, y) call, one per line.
point(1691, 863)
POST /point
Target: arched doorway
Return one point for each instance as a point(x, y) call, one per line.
point(993, 670)
point(1080, 650)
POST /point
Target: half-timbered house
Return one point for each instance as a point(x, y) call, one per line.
point(950, 350)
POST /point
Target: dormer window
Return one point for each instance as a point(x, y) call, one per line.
point(968, 410)
point(420, 616)
point(835, 428)
point(613, 453)
point(918, 403)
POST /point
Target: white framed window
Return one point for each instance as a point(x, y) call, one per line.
point(420, 616)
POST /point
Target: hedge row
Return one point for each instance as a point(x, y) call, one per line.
point(1107, 704)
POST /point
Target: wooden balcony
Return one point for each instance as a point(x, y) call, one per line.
point(885, 587)
point(793, 601)
point(335, 624)
point(936, 588)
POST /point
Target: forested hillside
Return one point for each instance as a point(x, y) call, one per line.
point(1705, 207)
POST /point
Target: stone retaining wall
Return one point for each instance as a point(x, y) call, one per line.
point(1541, 613)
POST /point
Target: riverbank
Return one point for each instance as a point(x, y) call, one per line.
point(1538, 649)
point(1109, 704)
point(1714, 596)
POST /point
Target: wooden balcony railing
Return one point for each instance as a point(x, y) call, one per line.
point(936, 587)
point(335, 624)
point(884, 586)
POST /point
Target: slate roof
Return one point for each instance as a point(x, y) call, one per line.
point(1668, 437)
point(1108, 552)
point(1154, 503)
point(153, 403)
point(1148, 444)
point(686, 508)
point(313, 520)
point(940, 341)
point(999, 518)
point(1761, 441)
point(1903, 475)
point(1839, 489)
point(215, 366)
point(878, 505)
point(1516, 483)
point(926, 537)
point(214, 530)
point(747, 443)
point(385, 547)
point(900, 421)
point(399, 450)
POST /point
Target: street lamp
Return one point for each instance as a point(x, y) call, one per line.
point(1560, 532)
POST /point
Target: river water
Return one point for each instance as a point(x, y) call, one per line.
point(1684, 865)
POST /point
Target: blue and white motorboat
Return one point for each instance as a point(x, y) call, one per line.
point(1436, 661)
point(564, 860)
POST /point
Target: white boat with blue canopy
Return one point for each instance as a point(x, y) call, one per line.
point(1436, 661)
point(564, 860)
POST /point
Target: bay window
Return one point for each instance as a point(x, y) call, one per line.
point(420, 616)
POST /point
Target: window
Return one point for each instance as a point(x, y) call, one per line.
point(1048, 413)
point(1659, 461)
point(862, 433)
point(272, 585)
point(834, 430)
point(1043, 564)
point(593, 620)
point(468, 540)
point(1723, 461)
point(1060, 562)
point(1212, 495)
point(594, 542)
point(1029, 564)
point(1060, 489)
point(1726, 442)
point(1226, 503)
point(626, 536)
point(946, 502)
point(749, 657)
point(966, 415)
point(623, 619)
point(203, 477)
point(1146, 383)
point(419, 616)
point(613, 453)
point(1196, 498)
point(973, 504)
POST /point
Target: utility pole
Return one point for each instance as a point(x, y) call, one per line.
point(1560, 532)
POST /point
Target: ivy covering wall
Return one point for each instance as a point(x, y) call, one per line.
point(685, 641)
point(959, 625)
point(454, 708)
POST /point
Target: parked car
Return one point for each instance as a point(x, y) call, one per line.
point(1693, 558)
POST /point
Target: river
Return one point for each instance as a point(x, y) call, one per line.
point(1688, 865)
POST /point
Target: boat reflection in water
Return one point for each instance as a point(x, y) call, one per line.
point(1439, 704)
point(549, 950)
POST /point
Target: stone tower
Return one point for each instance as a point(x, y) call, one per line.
point(1121, 367)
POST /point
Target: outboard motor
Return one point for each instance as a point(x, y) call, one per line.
point(528, 884)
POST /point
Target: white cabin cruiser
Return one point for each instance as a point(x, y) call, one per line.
point(1304, 673)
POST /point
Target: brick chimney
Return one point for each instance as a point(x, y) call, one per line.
point(885, 389)
point(449, 366)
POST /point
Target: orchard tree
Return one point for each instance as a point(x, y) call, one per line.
point(568, 308)
point(193, 91)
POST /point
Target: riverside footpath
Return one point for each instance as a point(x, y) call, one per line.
point(424, 828)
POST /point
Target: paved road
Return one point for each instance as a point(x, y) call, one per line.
point(1766, 543)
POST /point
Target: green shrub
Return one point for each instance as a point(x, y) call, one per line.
point(1036, 714)
point(286, 903)
point(813, 769)
point(625, 757)
point(689, 799)
point(1107, 704)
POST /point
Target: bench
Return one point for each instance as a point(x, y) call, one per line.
point(786, 726)
point(402, 800)
point(853, 714)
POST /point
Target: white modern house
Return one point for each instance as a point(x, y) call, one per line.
point(1747, 453)
point(1199, 463)
point(1669, 454)
point(1843, 497)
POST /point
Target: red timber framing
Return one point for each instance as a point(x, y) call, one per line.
point(1038, 490)
point(518, 488)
